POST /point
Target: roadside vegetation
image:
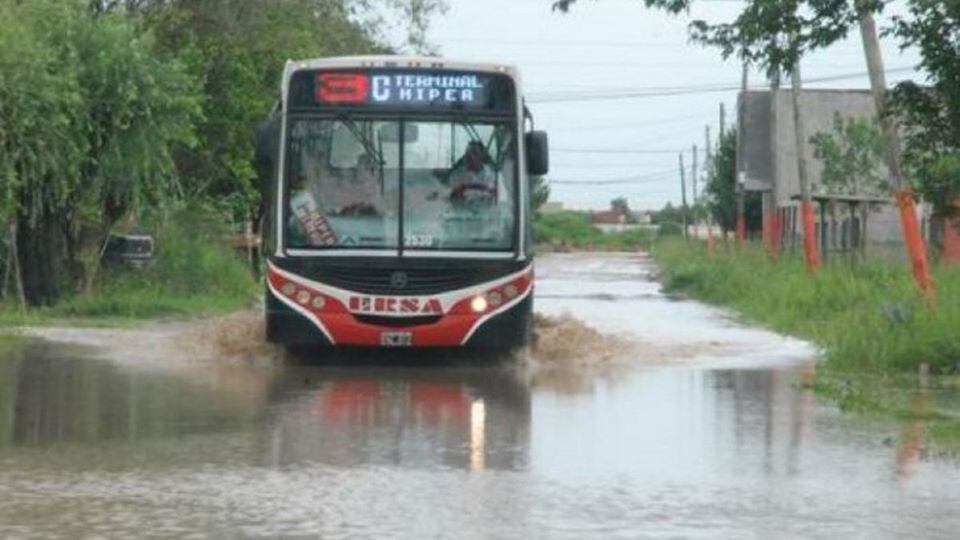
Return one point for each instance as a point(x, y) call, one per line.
point(195, 271)
point(882, 346)
point(137, 116)
point(869, 318)
point(571, 230)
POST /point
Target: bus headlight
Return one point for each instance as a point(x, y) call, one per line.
point(494, 298)
point(303, 297)
point(478, 304)
point(319, 302)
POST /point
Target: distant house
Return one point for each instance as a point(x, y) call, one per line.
point(613, 220)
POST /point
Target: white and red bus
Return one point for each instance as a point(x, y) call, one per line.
point(398, 204)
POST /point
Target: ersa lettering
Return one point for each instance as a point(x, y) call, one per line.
point(425, 88)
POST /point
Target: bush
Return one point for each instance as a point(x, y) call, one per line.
point(573, 229)
point(670, 228)
point(567, 227)
point(195, 271)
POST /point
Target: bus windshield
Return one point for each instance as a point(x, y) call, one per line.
point(419, 185)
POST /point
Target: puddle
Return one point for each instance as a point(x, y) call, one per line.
point(637, 417)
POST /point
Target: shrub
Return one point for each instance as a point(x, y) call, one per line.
point(195, 270)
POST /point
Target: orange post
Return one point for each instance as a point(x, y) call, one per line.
point(915, 246)
point(765, 230)
point(810, 238)
point(709, 239)
point(774, 238)
point(950, 251)
point(741, 229)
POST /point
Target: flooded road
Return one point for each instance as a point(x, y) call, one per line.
point(690, 425)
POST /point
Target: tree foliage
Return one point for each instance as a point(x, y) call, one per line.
point(773, 34)
point(108, 106)
point(721, 187)
point(91, 116)
point(852, 157)
point(931, 113)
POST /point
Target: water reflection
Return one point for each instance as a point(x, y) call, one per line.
point(55, 394)
point(462, 417)
point(456, 417)
point(89, 447)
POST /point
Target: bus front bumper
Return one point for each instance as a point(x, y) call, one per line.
point(295, 316)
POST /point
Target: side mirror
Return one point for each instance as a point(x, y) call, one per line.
point(538, 153)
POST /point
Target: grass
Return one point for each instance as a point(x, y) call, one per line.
point(573, 230)
point(194, 272)
point(870, 320)
point(867, 317)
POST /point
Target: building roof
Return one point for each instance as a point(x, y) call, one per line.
point(608, 217)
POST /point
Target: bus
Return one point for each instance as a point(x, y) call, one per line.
point(397, 194)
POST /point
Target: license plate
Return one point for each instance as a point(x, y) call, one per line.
point(396, 339)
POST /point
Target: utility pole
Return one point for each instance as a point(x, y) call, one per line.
point(683, 190)
point(723, 120)
point(809, 228)
point(694, 175)
point(709, 152)
point(908, 214)
point(708, 167)
point(693, 180)
point(740, 174)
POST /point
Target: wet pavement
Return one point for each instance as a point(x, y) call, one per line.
point(704, 428)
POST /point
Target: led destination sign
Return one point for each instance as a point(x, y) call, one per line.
point(406, 89)
point(426, 88)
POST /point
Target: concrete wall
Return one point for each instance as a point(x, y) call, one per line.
point(818, 108)
point(769, 148)
point(757, 139)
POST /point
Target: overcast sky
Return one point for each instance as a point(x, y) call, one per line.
point(606, 46)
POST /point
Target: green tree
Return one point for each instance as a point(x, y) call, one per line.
point(238, 49)
point(931, 113)
point(852, 157)
point(773, 34)
point(91, 115)
point(668, 214)
point(722, 184)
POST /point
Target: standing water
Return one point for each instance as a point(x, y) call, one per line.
point(673, 420)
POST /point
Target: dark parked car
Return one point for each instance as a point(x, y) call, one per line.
point(128, 249)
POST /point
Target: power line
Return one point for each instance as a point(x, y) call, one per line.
point(611, 151)
point(624, 125)
point(599, 95)
point(645, 178)
point(633, 165)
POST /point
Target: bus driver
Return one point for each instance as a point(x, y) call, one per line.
point(473, 177)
